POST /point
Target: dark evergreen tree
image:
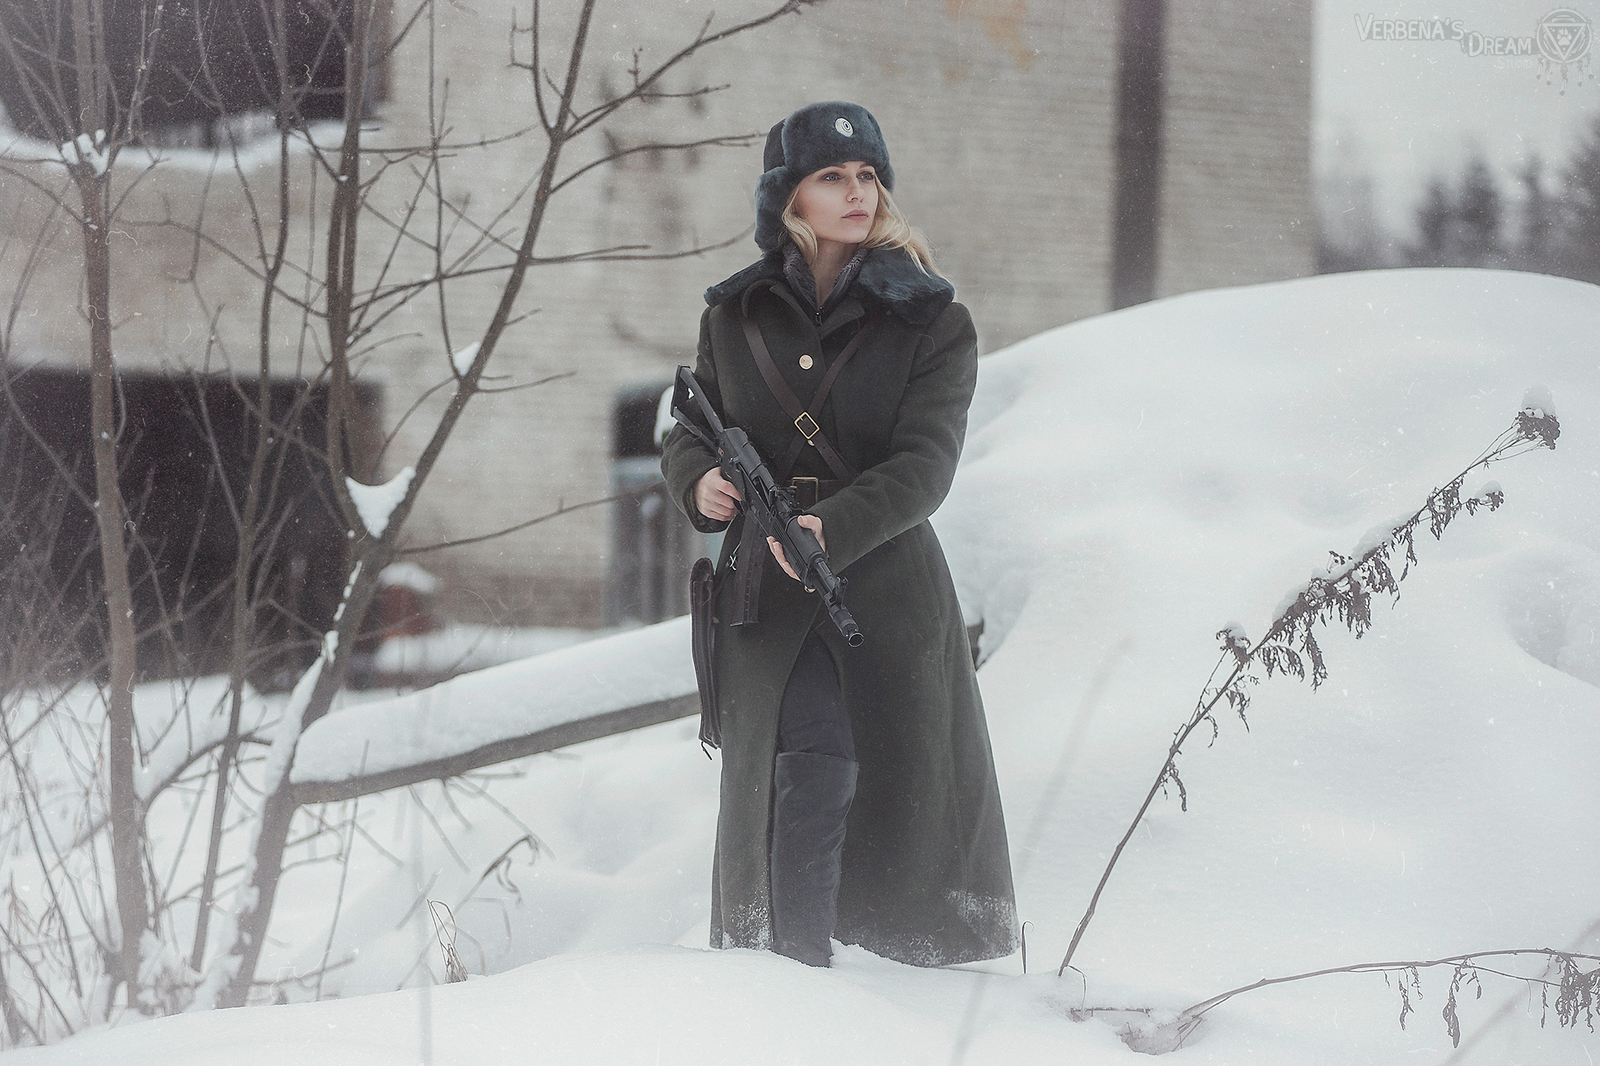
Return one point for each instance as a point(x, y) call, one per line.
point(1480, 216)
point(1461, 226)
point(1579, 245)
point(1536, 242)
point(1349, 235)
point(1435, 221)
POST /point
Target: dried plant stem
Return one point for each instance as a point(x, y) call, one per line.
point(1472, 960)
point(1344, 592)
point(1201, 714)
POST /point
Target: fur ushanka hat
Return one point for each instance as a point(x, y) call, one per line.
point(816, 136)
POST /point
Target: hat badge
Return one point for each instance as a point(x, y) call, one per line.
point(844, 127)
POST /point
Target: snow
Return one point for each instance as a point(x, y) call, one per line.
point(468, 712)
point(1133, 485)
point(375, 503)
point(1537, 402)
point(84, 149)
point(408, 575)
point(200, 723)
point(462, 360)
point(460, 647)
point(664, 419)
point(626, 1005)
point(257, 147)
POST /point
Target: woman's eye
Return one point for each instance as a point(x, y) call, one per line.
point(867, 175)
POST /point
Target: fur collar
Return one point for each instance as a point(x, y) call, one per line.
point(889, 276)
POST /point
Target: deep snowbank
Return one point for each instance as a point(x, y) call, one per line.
point(1131, 484)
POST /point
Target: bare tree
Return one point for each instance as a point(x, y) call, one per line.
point(352, 311)
point(76, 107)
point(323, 308)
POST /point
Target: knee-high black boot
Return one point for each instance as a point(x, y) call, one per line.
point(811, 796)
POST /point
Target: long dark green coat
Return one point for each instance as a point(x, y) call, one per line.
point(926, 870)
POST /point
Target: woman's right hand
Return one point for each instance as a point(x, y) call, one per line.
point(715, 497)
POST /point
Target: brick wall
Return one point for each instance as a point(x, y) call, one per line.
point(1236, 180)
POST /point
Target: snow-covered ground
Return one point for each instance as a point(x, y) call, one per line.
point(1131, 484)
point(458, 647)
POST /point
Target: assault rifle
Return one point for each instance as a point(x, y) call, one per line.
point(764, 501)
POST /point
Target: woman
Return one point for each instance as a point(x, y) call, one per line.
point(858, 790)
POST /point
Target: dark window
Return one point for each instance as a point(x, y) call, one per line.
point(205, 61)
point(651, 543)
point(184, 442)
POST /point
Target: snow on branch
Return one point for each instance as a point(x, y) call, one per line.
point(462, 360)
point(84, 150)
point(627, 680)
point(375, 503)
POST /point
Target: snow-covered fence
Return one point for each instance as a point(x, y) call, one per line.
point(626, 681)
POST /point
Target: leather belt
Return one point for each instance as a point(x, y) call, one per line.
point(809, 491)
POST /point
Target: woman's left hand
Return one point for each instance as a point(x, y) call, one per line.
point(811, 522)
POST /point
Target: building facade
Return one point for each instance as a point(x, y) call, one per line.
point(1007, 120)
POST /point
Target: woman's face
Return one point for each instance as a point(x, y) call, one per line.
point(839, 202)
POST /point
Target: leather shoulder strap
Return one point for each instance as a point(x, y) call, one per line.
point(769, 370)
point(805, 420)
point(815, 409)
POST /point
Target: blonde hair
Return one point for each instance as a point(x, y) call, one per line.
point(889, 230)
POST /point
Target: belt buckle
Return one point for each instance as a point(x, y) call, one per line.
point(807, 426)
point(811, 484)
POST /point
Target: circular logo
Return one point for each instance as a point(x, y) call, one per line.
point(1564, 36)
point(844, 127)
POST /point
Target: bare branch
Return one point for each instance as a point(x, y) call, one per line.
point(644, 86)
point(738, 140)
point(562, 508)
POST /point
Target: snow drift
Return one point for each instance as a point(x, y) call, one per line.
point(1132, 483)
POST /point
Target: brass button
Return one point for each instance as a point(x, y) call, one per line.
point(806, 362)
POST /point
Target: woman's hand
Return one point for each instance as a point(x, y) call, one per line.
point(715, 497)
point(811, 522)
